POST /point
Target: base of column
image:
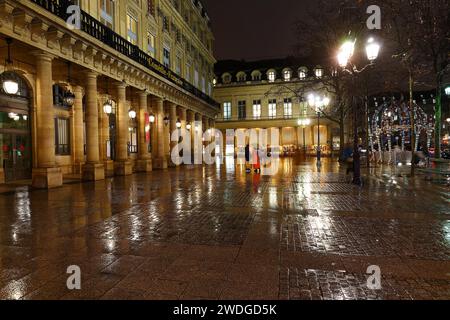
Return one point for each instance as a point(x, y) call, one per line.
point(123, 168)
point(47, 178)
point(160, 163)
point(144, 165)
point(108, 165)
point(78, 168)
point(2, 176)
point(93, 172)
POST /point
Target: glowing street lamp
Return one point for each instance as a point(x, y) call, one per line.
point(372, 49)
point(188, 126)
point(107, 107)
point(151, 118)
point(178, 124)
point(447, 90)
point(132, 114)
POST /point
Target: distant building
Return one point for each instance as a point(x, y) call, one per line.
point(273, 94)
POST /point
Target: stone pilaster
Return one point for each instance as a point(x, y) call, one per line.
point(122, 165)
point(144, 162)
point(46, 174)
point(93, 170)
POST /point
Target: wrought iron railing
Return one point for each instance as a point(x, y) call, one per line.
point(99, 31)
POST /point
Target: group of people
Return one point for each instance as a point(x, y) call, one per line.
point(252, 160)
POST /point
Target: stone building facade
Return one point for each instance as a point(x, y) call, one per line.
point(98, 96)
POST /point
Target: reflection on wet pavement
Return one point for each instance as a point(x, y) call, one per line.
point(218, 233)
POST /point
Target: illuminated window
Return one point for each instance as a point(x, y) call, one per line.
point(62, 137)
point(302, 73)
point(271, 76)
point(272, 108)
point(318, 72)
point(107, 13)
point(132, 140)
point(151, 44)
point(257, 109)
point(287, 74)
point(132, 29)
point(227, 110)
point(288, 108)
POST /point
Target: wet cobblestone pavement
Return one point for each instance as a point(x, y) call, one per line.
point(217, 233)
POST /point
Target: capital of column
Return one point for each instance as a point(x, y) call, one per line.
point(43, 55)
point(120, 85)
point(90, 74)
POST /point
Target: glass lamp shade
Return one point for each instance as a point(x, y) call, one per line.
point(447, 90)
point(311, 100)
point(132, 114)
point(11, 86)
point(372, 49)
point(326, 101)
point(151, 118)
point(107, 108)
point(178, 124)
point(347, 49)
point(342, 59)
point(188, 126)
point(69, 99)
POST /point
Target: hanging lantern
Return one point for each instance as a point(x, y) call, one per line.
point(10, 83)
point(152, 118)
point(178, 124)
point(188, 126)
point(107, 107)
point(132, 114)
point(69, 98)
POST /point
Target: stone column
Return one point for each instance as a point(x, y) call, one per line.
point(198, 135)
point(46, 174)
point(160, 157)
point(122, 165)
point(93, 170)
point(190, 118)
point(144, 162)
point(78, 136)
point(173, 127)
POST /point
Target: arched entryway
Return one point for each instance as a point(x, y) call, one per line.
point(15, 130)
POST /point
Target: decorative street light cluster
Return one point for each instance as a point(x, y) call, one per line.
point(344, 57)
point(317, 102)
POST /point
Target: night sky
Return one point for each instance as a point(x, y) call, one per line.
point(254, 29)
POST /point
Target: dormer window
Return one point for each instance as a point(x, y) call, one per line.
point(271, 75)
point(256, 75)
point(287, 75)
point(302, 73)
point(318, 72)
point(241, 77)
point(226, 78)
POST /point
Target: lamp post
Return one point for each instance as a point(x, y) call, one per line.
point(344, 59)
point(304, 123)
point(318, 103)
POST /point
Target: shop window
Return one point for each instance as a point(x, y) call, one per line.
point(62, 136)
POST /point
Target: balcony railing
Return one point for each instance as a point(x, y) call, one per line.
point(280, 117)
point(99, 31)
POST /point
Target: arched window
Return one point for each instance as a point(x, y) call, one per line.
point(318, 72)
point(287, 74)
point(271, 75)
point(302, 73)
point(226, 78)
point(241, 76)
point(256, 75)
